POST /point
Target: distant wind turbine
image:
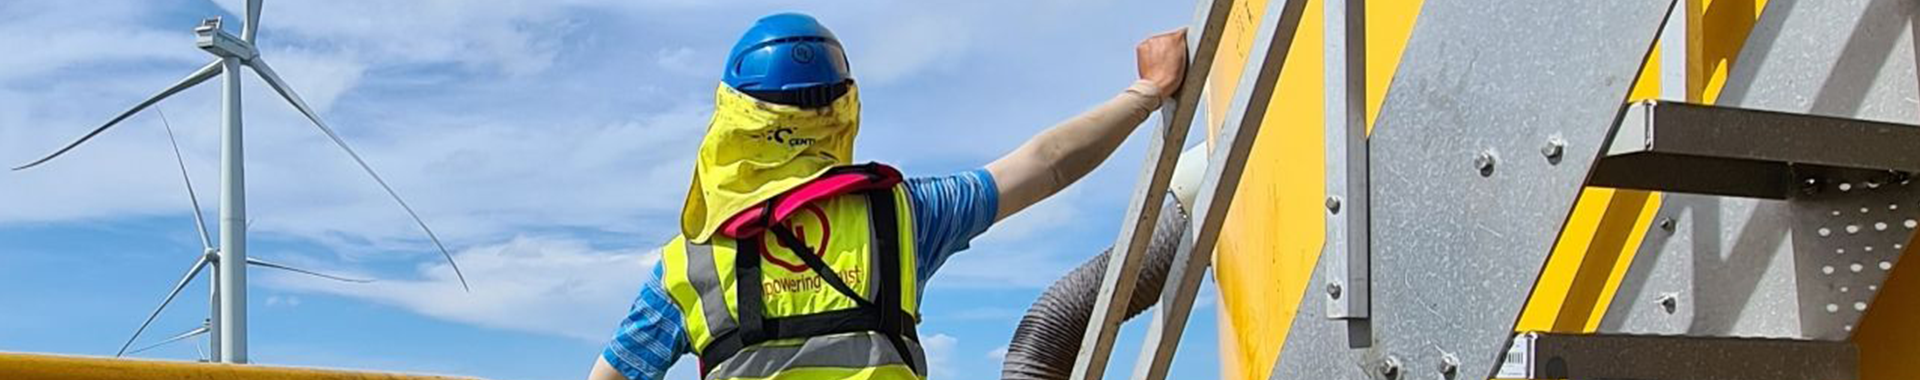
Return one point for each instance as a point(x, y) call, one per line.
point(209, 256)
point(229, 323)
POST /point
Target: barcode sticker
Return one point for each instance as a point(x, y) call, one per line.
point(1518, 363)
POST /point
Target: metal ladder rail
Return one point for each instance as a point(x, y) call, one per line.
point(1225, 166)
point(1136, 229)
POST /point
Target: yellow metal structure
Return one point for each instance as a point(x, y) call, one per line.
point(49, 367)
point(1271, 241)
point(1262, 274)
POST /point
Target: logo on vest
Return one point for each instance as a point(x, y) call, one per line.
point(811, 226)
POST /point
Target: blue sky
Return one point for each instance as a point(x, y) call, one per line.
point(548, 142)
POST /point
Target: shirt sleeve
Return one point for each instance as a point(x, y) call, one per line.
point(948, 212)
point(651, 338)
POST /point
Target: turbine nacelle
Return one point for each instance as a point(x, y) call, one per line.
point(217, 41)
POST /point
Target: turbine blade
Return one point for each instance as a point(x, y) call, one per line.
point(273, 80)
point(184, 335)
point(201, 351)
point(201, 75)
point(253, 21)
point(195, 271)
point(284, 267)
point(199, 223)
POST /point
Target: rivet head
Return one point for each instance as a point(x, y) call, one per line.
point(1390, 368)
point(1666, 224)
point(1669, 302)
point(1333, 204)
point(1484, 162)
point(1811, 186)
point(1556, 147)
point(1449, 364)
point(1333, 290)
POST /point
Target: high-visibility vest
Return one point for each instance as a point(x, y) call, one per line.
point(797, 323)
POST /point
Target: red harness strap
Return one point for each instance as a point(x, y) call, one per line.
point(839, 180)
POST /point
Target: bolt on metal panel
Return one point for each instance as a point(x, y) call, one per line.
point(1466, 206)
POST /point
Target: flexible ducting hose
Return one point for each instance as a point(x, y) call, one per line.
point(1048, 339)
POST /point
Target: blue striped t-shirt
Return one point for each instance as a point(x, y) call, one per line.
point(948, 212)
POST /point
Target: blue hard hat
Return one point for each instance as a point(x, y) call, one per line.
point(789, 58)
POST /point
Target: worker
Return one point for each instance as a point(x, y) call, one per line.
point(837, 253)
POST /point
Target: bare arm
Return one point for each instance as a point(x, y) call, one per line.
point(604, 371)
point(1069, 150)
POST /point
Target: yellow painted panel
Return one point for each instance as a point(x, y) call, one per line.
point(1888, 341)
point(1272, 236)
point(50, 367)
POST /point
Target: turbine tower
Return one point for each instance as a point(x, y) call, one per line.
point(229, 322)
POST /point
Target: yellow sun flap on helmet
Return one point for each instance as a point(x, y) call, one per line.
point(755, 150)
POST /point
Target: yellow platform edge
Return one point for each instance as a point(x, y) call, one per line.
point(21, 366)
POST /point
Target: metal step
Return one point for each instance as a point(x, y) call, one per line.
point(1691, 148)
point(1652, 357)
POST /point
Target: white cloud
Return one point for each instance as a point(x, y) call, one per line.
point(998, 354)
point(939, 349)
point(913, 43)
point(45, 37)
point(510, 37)
point(1031, 238)
point(553, 286)
point(685, 61)
point(319, 78)
point(288, 301)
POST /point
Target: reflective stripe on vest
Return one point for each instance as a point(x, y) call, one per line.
point(700, 280)
point(706, 280)
point(856, 350)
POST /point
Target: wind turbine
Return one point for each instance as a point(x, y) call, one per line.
point(229, 322)
point(209, 256)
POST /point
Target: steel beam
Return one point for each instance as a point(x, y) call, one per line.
point(1345, 255)
point(1569, 356)
point(1680, 147)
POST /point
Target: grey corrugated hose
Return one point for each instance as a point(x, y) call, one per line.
point(1048, 338)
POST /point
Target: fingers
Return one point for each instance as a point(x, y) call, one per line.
point(1162, 59)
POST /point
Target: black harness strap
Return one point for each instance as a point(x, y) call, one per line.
point(886, 244)
point(819, 267)
point(884, 315)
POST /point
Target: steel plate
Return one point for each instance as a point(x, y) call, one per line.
point(1465, 205)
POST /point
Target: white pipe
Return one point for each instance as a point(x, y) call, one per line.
point(233, 219)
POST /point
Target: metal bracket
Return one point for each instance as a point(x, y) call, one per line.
point(1650, 357)
point(1668, 146)
point(1346, 253)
